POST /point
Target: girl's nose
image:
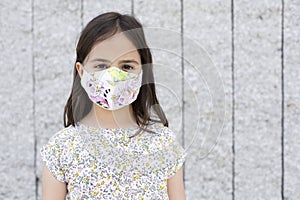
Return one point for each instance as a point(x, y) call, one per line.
point(115, 63)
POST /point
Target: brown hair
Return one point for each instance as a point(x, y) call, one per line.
point(99, 29)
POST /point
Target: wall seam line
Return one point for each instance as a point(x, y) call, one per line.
point(33, 102)
point(81, 13)
point(182, 81)
point(132, 8)
point(282, 100)
point(233, 99)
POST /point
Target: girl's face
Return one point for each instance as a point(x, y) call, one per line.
point(117, 51)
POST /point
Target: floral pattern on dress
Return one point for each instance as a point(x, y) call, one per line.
point(104, 163)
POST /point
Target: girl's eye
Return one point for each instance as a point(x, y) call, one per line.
point(101, 66)
point(127, 67)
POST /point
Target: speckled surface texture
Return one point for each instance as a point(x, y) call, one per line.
point(227, 76)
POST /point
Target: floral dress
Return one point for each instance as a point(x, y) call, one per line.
point(104, 163)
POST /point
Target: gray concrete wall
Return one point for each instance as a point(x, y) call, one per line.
point(250, 153)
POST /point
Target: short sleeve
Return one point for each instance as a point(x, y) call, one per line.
point(176, 155)
point(51, 154)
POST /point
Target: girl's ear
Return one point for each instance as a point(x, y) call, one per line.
point(79, 68)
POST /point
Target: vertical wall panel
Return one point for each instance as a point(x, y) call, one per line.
point(16, 102)
point(292, 99)
point(258, 99)
point(56, 26)
point(208, 174)
point(165, 47)
point(92, 8)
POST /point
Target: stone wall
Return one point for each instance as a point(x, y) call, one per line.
point(242, 146)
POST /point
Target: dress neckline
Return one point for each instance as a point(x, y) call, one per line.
point(80, 124)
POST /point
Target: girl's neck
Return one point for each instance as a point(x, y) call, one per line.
point(99, 117)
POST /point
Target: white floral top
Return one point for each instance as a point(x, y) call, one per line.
point(103, 163)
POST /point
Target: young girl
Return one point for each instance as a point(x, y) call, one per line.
point(116, 143)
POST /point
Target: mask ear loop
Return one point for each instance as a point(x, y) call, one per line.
point(98, 123)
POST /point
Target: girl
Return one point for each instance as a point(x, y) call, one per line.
point(116, 143)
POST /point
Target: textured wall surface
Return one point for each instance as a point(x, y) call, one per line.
point(254, 46)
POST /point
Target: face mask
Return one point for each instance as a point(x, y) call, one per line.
point(111, 88)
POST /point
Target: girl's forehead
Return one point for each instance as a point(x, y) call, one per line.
point(115, 47)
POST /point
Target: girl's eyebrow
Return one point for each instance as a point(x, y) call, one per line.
point(129, 61)
point(122, 61)
point(100, 59)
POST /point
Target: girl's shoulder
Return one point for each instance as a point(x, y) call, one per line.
point(162, 147)
point(57, 153)
point(63, 135)
point(162, 137)
point(162, 131)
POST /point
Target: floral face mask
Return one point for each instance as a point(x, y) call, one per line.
point(112, 88)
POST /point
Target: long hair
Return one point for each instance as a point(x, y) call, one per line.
point(98, 29)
